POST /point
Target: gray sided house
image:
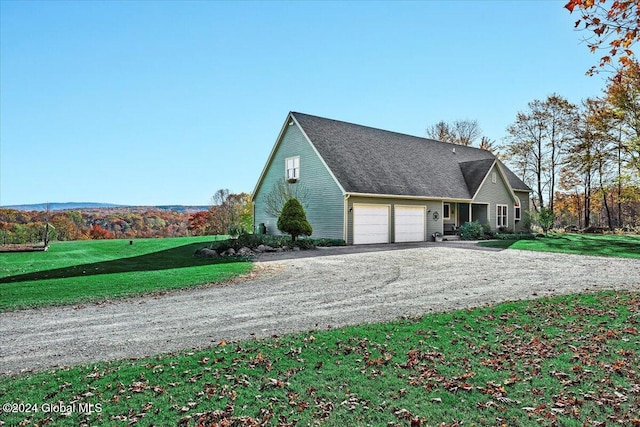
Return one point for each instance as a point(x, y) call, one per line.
point(367, 185)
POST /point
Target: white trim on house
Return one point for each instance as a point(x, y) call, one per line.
point(488, 205)
point(400, 196)
point(499, 215)
point(292, 164)
point(345, 229)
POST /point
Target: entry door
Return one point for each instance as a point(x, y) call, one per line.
point(370, 224)
point(410, 224)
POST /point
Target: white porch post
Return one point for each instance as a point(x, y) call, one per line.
point(470, 219)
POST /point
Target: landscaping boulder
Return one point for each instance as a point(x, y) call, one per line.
point(244, 251)
point(265, 248)
point(206, 253)
point(229, 252)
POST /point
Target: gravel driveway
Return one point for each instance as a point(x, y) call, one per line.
point(301, 291)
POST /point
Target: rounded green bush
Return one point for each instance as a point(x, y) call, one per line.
point(293, 220)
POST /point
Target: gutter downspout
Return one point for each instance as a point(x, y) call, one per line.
point(346, 217)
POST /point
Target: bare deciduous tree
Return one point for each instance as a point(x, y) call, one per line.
point(281, 192)
point(461, 132)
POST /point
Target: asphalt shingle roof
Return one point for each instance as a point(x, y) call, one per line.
point(375, 161)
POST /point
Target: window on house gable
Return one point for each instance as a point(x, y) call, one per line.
point(292, 165)
point(494, 178)
point(501, 215)
point(446, 211)
point(517, 213)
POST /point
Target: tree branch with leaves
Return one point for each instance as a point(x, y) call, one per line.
point(612, 26)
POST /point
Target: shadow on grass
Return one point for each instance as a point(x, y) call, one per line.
point(178, 257)
point(497, 244)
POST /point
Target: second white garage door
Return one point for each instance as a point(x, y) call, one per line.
point(370, 224)
point(410, 223)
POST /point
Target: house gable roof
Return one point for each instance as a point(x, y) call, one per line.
point(474, 172)
point(366, 160)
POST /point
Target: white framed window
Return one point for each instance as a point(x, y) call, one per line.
point(446, 211)
point(292, 167)
point(518, 212)
point(494, 177)
point(501, 215)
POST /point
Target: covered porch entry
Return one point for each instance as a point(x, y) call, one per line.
point(460, 213)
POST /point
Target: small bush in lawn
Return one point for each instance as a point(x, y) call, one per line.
point(471, 231)
point(293, 220)
point(546, 218)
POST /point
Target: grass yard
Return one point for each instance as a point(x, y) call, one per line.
point(94, 270)
point(569, 361)
point(585, 244)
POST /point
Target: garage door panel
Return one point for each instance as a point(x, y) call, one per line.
point(370, 224)
point(410, 224)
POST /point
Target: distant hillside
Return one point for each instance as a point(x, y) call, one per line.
point(90, 205)
point(62, 206)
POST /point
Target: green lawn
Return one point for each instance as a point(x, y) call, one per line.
point(81, 271)
point(569, 361)
point(585, 244)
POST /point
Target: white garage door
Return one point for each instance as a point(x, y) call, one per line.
point(410, 223)
point(370, 224)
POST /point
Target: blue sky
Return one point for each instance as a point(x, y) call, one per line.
point(164, 102)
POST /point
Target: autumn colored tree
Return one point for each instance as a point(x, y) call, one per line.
point(98, 233)
point(612, 26)
point(293, 220)
point(199, 223)
point(537, 141)
point(65, 227)
point(230, 211)
point(623, 95)
point(588, 155)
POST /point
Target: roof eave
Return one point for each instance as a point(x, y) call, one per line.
point(400, 196)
